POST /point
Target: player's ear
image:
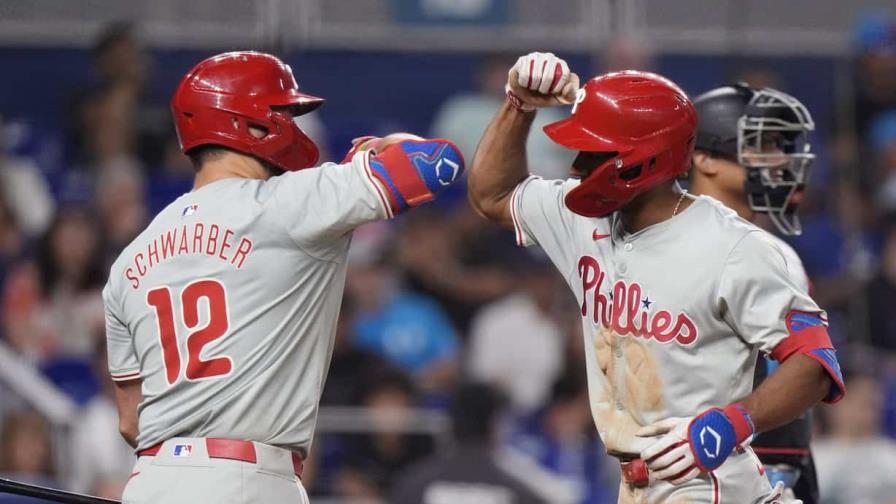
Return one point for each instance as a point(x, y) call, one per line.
point(704, 164)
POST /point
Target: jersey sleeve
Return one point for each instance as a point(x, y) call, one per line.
point(794, 265)
point(540, 217)
point(320, 205)
point(123, 362)
point(758, 297)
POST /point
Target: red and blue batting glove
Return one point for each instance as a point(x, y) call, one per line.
point(690, 446)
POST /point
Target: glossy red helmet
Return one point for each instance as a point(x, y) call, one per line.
point(643, 124)
point(222, 96)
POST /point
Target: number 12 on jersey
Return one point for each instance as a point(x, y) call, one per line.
point(218, 324)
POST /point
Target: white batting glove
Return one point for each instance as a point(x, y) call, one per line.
point(690, 446)
point(540, 80)
point(670, 457)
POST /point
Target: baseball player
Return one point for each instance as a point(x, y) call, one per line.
point(678, 295)
point(733, 124)
point(221, 315)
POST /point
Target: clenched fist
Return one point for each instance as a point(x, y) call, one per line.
point(540, 80)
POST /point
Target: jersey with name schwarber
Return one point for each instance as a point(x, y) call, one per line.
point(226, 304)
point(674, 315)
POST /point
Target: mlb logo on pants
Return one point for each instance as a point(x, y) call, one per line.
point(183, 450)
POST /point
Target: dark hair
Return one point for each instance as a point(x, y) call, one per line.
point(387, 378)
point(474, 408)
point(210, 152)
point(568, 387)
point(204, 153)
point(112, 35)
point(93, 275)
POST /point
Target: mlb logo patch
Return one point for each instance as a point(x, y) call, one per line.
point(189, 210)
point(183, 450)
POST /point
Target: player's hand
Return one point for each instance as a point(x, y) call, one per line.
point(689, 446)
point(376, 144)
point(670, 457)
point(394, 138)
point(540, 80)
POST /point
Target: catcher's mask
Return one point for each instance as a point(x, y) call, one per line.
point(773, 145)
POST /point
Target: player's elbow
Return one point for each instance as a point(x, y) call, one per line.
point(413, 172)
point(822, 384)
point(128, 430)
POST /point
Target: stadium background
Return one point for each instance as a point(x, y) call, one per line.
point(438, 299)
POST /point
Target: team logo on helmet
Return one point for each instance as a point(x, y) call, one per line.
point(580, 97)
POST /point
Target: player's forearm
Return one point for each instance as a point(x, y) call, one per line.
point(797, 385)
point(499, 164)
point(127, 399)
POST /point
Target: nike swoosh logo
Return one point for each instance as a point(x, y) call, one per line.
point(598, 236)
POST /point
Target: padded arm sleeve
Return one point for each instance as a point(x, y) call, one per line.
point(413, 172)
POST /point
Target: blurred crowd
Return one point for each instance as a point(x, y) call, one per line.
point(442, 313)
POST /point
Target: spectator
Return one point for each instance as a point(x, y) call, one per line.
point(26, 453)
point(516, 343)
point(463, 118)
point(374, 461)
point(116, 120)
point(122, 207)
point(350, 367)
point(883, 144)
point(874, 42)
point(855, 462)
point(25, 191)
point(838, 250)
point(53, 306)
point(95, 432)
point(879, 295)
point(409, 330)
point(12, 243)
point(561, 438)
point(469, 470)
point(456, 258)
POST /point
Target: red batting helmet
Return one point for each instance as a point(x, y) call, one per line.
point(222, 96)
point(643, 121)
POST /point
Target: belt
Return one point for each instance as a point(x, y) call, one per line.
point(634, 471)
point(243, 451)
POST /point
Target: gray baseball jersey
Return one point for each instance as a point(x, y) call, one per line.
point(792, 262)
point(226, 304)
point(674, 315)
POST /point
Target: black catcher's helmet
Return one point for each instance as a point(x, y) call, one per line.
point(746, 124)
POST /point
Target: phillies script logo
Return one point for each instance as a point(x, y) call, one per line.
point(626, 313)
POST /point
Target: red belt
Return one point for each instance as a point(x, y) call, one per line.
point(243, 451)
point(634, 472)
